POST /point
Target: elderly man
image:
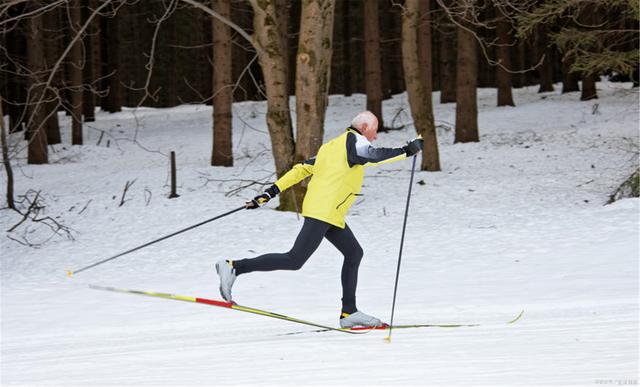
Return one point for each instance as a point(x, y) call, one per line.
point(337, 172)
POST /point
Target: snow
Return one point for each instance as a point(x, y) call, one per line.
point(514, 222)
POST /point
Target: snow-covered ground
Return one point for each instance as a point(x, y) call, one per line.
point(514, 222)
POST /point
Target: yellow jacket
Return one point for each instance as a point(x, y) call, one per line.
point(338, 170)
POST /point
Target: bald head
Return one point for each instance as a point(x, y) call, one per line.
point(367, 123)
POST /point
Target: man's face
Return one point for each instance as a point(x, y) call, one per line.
point(371, 132)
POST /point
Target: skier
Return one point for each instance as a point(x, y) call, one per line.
point(337, 172)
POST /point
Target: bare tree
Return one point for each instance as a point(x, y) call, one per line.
point(503, 51)
point(52, 35)
point(222, 153)
point(270, 45)
point(269, 42)
point(88, 74)
point(12, 63)
point(544, 51)
point(346, 46)
point(40, 77)
point(467, 77)
point(5, 160)
point(313, 64)
point(372, 65)
point(76, 64)
point(447, 61)
point(36, 130)
point(418, 80)
point(110, 39)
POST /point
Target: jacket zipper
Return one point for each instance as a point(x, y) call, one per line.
point(345, 199)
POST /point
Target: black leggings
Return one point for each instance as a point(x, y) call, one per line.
point(307, 242)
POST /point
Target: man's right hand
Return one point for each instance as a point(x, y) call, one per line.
point(263, 198)
point(258, 201)
point(413, 146)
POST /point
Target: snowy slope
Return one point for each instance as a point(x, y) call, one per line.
point(514, 222)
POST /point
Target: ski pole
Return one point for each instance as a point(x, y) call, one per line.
point(70, 273)
point(404, 227)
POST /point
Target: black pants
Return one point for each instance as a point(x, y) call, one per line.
point(307, 242)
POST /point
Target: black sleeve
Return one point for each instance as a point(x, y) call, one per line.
point(273, 191)
point(360, 154)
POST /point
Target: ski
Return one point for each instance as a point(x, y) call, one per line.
point(230, 305)
point(386, 327)
point(406, 326)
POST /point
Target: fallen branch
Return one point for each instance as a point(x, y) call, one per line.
point(31, 205)
point(127, 185)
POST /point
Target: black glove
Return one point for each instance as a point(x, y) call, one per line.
point(263, 198)
point(413, 146)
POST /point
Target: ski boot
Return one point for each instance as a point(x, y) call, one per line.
point(227, 275)
point(359, 319)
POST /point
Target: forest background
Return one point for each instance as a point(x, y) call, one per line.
point(78, 55)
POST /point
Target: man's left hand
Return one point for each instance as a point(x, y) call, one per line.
point(413, 146)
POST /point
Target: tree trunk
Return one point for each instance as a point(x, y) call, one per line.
point(291, 41)
point(112, 103)
point(392, 76)
point(65, 91)
point(274, 69)
point(372, 65)
point(169, 82)
point(51, 55)
point(519, 64)
point(569, 79)
point(36, 129)
point(222, 153)
point(503, 50)
point(425, 48)
point(436, 37)
point(467, 74)
point(589, 16)
point(313, 64)
point(76, 64)
point(17, 49)
point(5, 160)
point(589, 90)
point(285, 8)
point(346, 48)
point(341, 63)
point(418, 79)
point(448, 63)
point(545, 70)
point(89, 98)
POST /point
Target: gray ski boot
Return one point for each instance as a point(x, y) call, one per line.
point(359, 319)
point(227, 275)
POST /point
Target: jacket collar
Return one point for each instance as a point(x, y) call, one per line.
point(354, 129)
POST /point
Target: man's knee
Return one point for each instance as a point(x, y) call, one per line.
point(296, 261)
point(355, 255)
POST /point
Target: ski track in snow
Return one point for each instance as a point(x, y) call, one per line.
point(514, 222)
